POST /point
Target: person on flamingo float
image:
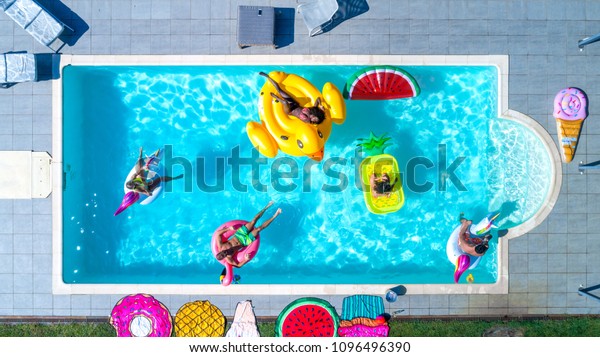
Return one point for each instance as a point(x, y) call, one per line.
point(242, 237)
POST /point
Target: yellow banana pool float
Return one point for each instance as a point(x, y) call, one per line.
point(278, 130)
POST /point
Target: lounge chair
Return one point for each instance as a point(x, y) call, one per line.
point(317, 14)
point(36, 20)
point(16, 68)
point(256, 26)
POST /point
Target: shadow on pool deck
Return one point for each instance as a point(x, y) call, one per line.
point(284, 26)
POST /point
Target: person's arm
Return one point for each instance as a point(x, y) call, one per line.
point(318, 103)
point(372, 184)
point(221, 231)
point(231, 261)
point(377, 194)
point(461, 234)
point(219, 243)
point(140, 161)
point(239, 264)
point(142, 189)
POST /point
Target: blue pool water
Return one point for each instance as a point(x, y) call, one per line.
point(199, 114)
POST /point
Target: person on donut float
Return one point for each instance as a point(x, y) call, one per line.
point(310, 115)
point(470, 244)
point(243, 237)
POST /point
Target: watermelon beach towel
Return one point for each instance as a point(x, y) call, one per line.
point(307, 317)
point(381, 82)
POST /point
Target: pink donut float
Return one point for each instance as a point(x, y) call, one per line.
point(570, 104)
point(239, 256)
point(141, 315)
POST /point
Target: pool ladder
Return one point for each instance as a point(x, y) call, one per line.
point(591, 166)
point(587, 292)
point(586, 41)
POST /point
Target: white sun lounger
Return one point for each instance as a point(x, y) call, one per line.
point(17, 68)
point(36, 20)
point(317, 13)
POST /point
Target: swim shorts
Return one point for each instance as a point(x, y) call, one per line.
point(244, 236)
point(472, 240)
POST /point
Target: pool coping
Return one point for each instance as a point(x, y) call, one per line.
point(501, 62)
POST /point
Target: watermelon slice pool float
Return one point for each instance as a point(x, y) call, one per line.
point(307, 317)
point(381, 82)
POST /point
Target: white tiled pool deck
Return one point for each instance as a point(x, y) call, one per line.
point(543, 269)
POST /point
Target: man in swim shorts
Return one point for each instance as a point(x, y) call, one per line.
point(242, 237)
point(311, 115)
point(472, 245)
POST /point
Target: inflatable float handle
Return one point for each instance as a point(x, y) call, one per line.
point(285, 122)
point(262, 139)
point(335, 102)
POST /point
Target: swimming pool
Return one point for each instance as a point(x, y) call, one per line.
point(323, 237)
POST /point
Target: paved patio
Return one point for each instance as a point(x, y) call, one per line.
point(546, 266)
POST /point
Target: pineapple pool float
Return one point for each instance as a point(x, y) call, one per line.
point(379, 163)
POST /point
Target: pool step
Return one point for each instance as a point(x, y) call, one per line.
point(25, 174)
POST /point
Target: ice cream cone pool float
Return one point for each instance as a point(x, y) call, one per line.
point(570, 110)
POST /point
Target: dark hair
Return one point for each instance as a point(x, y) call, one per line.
point(129, 184)
point(384, 186)
point(481, 248)
point(317, 112)
point(222, 254)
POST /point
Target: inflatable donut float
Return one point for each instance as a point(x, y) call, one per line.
point(141, 315)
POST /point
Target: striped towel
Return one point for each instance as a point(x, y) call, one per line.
point(368, 306)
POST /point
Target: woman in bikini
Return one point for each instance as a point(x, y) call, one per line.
point(140, 182)
point(380, 185)
point(311, 115)
point(242, 237)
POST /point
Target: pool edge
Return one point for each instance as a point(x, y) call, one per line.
point(501, 62)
